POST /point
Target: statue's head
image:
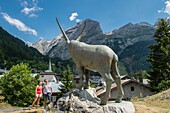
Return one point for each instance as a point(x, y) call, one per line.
point(65, 36)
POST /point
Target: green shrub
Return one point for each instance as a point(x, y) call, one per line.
point(18, 86)
point(164, 84)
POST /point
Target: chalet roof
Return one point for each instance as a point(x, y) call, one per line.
point(47, 73)
point(122, 77)
point(102, 90)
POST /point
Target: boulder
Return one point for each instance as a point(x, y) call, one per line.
point(123, 107)
point(72, 102)
point(86, 101)
point(89, 94)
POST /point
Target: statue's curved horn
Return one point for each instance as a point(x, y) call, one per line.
point(80, 36)
point(64, 34)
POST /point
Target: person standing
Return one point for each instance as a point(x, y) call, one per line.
point(38, 95)
point(47, 92)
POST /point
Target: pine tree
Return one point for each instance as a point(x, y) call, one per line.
point(159, 58)
point(67, 80)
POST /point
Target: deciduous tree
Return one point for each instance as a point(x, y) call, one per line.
point(18, 86)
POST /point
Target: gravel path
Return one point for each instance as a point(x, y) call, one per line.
point(10, 110)
point(20, 110)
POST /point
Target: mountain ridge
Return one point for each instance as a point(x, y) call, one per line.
point(73, 36)
point(123, 41)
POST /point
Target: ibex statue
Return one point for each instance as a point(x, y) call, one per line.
point(97, 58)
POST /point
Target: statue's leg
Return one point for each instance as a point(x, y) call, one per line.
point(116, 77)
point(80, 71)
point(87, 75)
point(108, 80)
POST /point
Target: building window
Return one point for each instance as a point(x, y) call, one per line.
point(132, 89)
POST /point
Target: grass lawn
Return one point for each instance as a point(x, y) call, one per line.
point(158, 103)
point(5, 105)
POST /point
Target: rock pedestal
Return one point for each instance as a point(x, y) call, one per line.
point(123, 107)
point(87, 102)
point(89, 94)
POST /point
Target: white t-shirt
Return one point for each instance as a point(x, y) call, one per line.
point(47, 88)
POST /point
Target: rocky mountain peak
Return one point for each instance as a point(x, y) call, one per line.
point(92, 25)
point(41, 45)
point(133, 29)
point(124, 28)
point(144, 24)
point(128, 25)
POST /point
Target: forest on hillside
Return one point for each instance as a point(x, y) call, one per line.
point(14, 51)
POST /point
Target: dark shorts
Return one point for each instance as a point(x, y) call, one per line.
point(48, 95)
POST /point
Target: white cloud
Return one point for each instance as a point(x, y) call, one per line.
point(30, 7)
point(78, 20)
point(73, 16)
point(32, 15)
point(35, 1)
point(18, 24)
point(166, 9)
point(42, 38)
point(31, 11)
point(160, 11)
point(24, 4)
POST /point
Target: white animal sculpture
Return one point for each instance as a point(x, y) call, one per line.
point(97, 58)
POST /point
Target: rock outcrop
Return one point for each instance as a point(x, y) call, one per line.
point(42, 45)
point(74, 102)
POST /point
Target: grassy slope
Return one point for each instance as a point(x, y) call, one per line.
point(158, 103)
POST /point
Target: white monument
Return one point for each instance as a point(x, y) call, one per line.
point(97, 58)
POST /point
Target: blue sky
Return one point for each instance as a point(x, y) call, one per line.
point(31, 20)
